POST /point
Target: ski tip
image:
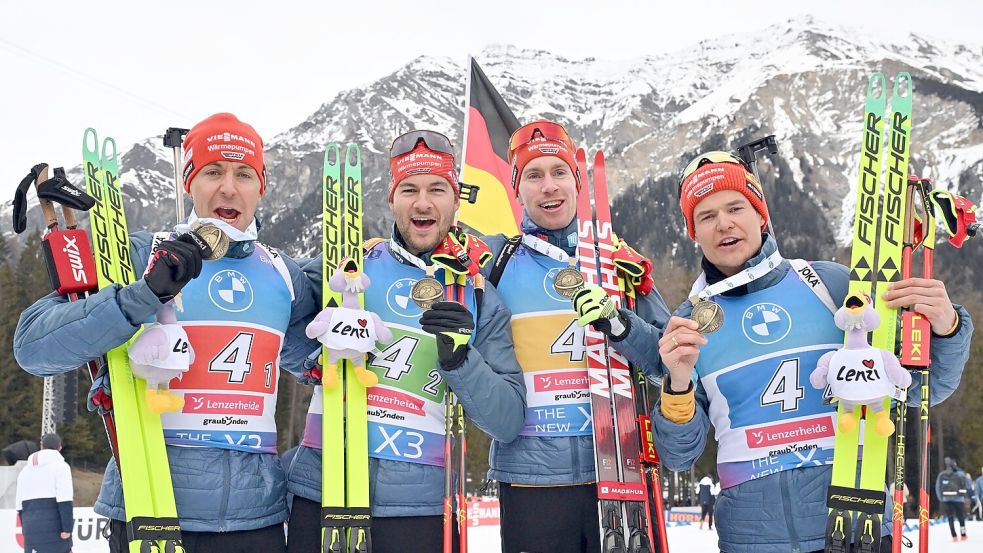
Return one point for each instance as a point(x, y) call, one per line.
point(877, 85)
point(599, 157)
point(332, 148)
point(903, 85)
point(353, 155)
point(90, 135)
point(581, 155)
point(108, 145)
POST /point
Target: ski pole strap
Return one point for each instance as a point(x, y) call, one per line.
point(503, 259)
point(346, 517)
point(20, 199)
point(153, 529)
point(856, 499)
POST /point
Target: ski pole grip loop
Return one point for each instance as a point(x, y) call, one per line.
point(153, 529)
point(346, 517)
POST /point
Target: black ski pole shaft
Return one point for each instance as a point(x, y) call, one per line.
point(749, 154)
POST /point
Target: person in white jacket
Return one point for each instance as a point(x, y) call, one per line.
point(44, 499)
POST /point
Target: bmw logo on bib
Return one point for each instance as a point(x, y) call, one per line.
point(230, 291)
point(766, 323)
point(399, 301)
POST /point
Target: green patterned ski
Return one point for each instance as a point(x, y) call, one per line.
point(151, 514)
point(875, 262)
point(345, 513)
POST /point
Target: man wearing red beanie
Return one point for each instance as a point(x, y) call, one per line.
point(243, 316)
point(549, 468)
point(462, 346)
point(747, 373)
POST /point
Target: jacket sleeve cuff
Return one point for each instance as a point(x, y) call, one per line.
point(678, 407)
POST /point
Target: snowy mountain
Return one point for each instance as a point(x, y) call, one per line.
point(803, 81)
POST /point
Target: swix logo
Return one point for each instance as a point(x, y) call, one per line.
point(71, 191)
point(234, 156)
point(71, 250)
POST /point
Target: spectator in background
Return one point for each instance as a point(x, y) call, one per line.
point(952, 487)
point(44, 499)
point(979, 496)
point(707, 498)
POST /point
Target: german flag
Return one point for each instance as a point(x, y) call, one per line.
point(488, 204)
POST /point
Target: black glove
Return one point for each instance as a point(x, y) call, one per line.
point(173, 265)
point(452, 325)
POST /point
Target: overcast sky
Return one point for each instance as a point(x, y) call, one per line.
point(132, 69)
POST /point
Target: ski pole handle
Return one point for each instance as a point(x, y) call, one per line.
point(47, 207)
point(173, 137)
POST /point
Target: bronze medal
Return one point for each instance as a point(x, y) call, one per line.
point(426, 291)
point(709, 315)
point(216, 239)
point(568, 281)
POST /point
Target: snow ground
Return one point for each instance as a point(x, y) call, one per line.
point(688, 538)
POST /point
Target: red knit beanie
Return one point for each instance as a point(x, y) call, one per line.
point(539, 147)
point(422, 161)
point(714, 177)
point(222, 137)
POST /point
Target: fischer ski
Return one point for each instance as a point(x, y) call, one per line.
point(151, 514)
point(876, 261)
point(345, 513)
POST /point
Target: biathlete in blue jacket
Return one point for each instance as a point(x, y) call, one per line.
point(430, 354)
point(549, 469)
point(244, 316)
point(750, 378)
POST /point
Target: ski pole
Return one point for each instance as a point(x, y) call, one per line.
point(70, 263)
point(462, 471)
point(748, 153)
point(173, 137)
point(448, 440)
point(914, 340)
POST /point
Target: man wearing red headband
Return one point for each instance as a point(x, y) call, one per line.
point(550, 467)
point(244, 310)
point(464, 347)
point(748, 374)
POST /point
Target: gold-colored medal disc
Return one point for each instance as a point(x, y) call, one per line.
point(709, 315)
point(426, 291)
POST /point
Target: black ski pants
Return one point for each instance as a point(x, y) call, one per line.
point(553, 519)
point(953, 510)
point(389, 534)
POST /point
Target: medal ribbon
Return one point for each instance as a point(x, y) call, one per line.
point(702, 292)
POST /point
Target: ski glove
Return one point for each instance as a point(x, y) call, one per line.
point(594, 307)
point(173, 265)
point(312, 369)
point(452, 325)
point(100, 397)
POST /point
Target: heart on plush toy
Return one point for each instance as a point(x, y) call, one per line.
point(869, 363)
point(364, 322)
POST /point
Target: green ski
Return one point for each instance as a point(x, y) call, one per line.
point(151, 515)
point(344, 425)
point(875, 262)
